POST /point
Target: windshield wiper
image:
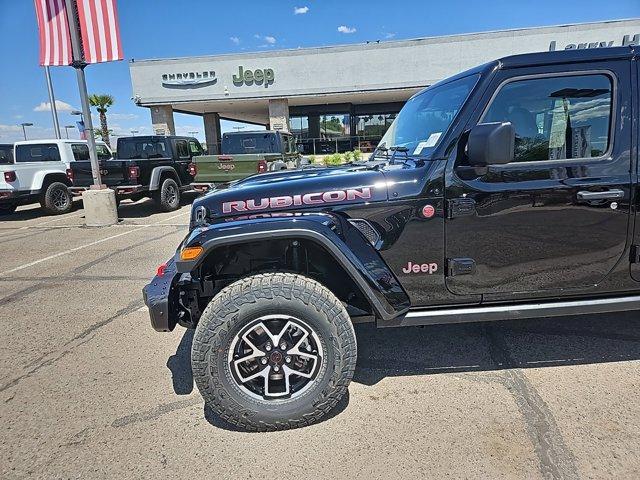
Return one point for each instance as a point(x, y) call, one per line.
point(395, 149)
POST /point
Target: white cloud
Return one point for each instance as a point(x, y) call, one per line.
point(121, 116)
point(60, 106)
point(13, 133)
point(270, 40)
point(235, 40)
point(345, 29)
point(389, 35)
point(300, 10)
point(255, 35)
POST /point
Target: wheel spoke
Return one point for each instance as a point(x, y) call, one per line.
point(284, 370)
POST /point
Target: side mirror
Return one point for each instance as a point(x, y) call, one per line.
point(491, 144)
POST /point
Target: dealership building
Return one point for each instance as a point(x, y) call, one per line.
point(337, 97)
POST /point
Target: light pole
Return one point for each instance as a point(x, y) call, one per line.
point(24, 131)
point(66, 129)
point(78, 112)
point(133, 132)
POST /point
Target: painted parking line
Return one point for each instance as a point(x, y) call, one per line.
point(87, 245)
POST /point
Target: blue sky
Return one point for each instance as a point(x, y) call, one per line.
point(163, 28)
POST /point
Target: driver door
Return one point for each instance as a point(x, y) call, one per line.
point(554, 221)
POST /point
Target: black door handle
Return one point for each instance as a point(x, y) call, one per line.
point(606, 195)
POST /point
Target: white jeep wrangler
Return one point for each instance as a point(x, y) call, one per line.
point(39, 174)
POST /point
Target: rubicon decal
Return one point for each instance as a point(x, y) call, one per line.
point(429, 268)
point(316, 198)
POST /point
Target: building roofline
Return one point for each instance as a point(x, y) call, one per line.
point(380, 43)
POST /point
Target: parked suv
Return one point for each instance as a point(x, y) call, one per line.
point(38, 174)
point(507, 191)
point(153, 166)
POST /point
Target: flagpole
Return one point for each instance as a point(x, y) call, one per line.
point(52, 101)
point(79, 64)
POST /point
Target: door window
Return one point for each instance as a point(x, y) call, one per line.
point(80, 151)
point(195, 148)
point(103, 152)
point(556, 118)
point(183, 150)
point(46, 152)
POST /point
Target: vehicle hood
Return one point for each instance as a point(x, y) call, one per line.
point(292, 190)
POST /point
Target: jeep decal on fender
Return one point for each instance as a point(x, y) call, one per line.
point(284, 201)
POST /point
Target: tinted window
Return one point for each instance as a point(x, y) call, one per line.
point(250, 143)
point(103, 152)
point(6, 154)
point(195, 148)
point(131, 148)
point(182, 149)
point(37, 153)
point(556, 117)
point(80, 151)
point(425, 118)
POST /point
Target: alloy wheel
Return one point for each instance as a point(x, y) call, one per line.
point(275, 357)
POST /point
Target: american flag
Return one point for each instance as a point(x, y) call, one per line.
point(99, 31)
point(55, 44)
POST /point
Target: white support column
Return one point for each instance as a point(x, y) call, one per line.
point(162, 120)
point(212, 134)
point(279, 114)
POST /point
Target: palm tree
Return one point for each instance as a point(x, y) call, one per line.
point(102, 102)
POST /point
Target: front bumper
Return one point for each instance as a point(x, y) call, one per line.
point(159, 297)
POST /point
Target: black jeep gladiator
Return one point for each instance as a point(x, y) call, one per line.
point(155, 166)
point(508, 191)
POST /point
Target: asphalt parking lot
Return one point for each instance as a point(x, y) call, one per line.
point(89, 390)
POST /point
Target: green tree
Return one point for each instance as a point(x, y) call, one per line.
point(102, 102)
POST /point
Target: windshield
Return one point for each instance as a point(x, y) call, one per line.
point(250, 143)
point(425, 118)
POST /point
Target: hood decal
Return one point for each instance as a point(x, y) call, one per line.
point(284, 201)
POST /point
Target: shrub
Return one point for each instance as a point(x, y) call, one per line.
point(333, 159)
point(348, 157)
point(312, 158)
point(357, 154)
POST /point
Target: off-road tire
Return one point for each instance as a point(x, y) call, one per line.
point(167, 197)
point(241, 303)
point(56, 199)
point(7, 209)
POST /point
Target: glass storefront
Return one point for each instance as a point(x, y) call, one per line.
point(339, 132)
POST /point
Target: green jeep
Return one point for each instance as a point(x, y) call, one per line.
point(244, 154)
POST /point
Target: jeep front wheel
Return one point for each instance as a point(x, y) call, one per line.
point(56, 199)
point(273, 351)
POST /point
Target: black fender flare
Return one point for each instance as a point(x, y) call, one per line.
point(156, 173)
point(341, 240)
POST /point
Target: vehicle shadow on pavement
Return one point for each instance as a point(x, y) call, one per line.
point(472, 347)
point(33, 211)
point(182, 377)
point(146, 207)
point(478, 347)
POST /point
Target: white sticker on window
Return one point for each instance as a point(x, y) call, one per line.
point(433, 139)
point(430, 142)
point(421, 146)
